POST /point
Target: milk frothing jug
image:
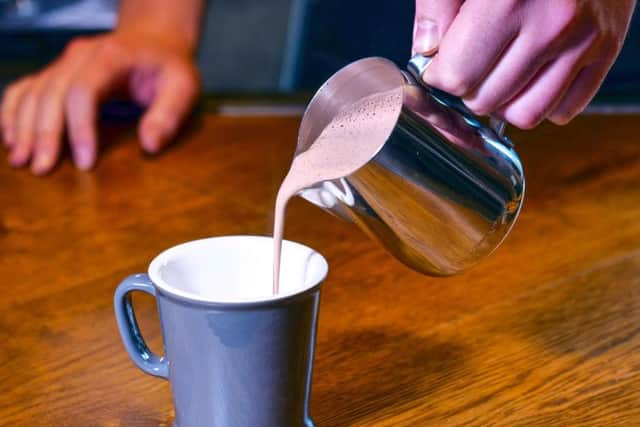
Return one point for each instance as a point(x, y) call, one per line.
point(446, 187)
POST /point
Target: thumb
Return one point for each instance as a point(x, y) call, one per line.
point(433, 18)
point(176, 91)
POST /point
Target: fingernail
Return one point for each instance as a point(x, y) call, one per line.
point(150, 138)
point(41, 163)
point(8, 138)
point(426, 37)
point(17, 158)
point(83, 156)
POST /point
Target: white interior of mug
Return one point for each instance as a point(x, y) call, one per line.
point(235, 269)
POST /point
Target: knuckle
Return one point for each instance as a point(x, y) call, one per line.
point(596, 34)
point(525, 119)
point(562, 118)
point(189, 74)
point(56, 88)
point(75, 90)
point(592, 38)
point(566, 10)
point(27, 104)
point(455, 83)
point(9, 93)
point(40, 82)
point(186, 77)
point(78, 91)
point(110, 47)
point(564, 17)
point(559, 121)
point(480, 106)
point(20, 84)
point(77, 45)
point(608, 42)
point(524, 123)
point(76, 95)
point(509, 7)
point(30, 99)
point(597, 40)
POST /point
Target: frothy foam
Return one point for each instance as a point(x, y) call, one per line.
point(348, 142)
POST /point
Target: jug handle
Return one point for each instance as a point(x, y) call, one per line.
point(418, 65)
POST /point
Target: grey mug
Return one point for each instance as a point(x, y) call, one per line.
point(234, 354)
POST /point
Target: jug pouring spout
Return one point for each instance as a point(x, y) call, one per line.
point(334, 197)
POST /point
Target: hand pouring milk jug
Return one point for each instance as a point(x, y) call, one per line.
point(442, 191)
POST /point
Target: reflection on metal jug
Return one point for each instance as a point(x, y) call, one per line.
point(442, 192)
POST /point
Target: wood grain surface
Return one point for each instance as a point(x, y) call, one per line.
point(545, 332)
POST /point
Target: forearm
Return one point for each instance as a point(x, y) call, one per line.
point(178, 21)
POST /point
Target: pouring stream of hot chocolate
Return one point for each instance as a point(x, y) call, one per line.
point(346, 144)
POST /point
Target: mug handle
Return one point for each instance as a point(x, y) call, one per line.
point(134, 343)
point(418, 65)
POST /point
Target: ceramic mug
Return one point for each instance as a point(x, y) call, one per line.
point(234, 354)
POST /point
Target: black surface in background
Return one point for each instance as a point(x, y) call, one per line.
point(337, 33)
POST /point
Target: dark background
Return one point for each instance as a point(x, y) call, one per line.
point(259, 47)
point(339, 32)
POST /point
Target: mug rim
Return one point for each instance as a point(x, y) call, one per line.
point(170, 291)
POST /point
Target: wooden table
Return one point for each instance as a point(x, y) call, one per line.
point(545, 332)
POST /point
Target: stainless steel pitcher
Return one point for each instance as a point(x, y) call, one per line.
point(445, 188)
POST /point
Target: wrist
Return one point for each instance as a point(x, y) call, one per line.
point(172, 24)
